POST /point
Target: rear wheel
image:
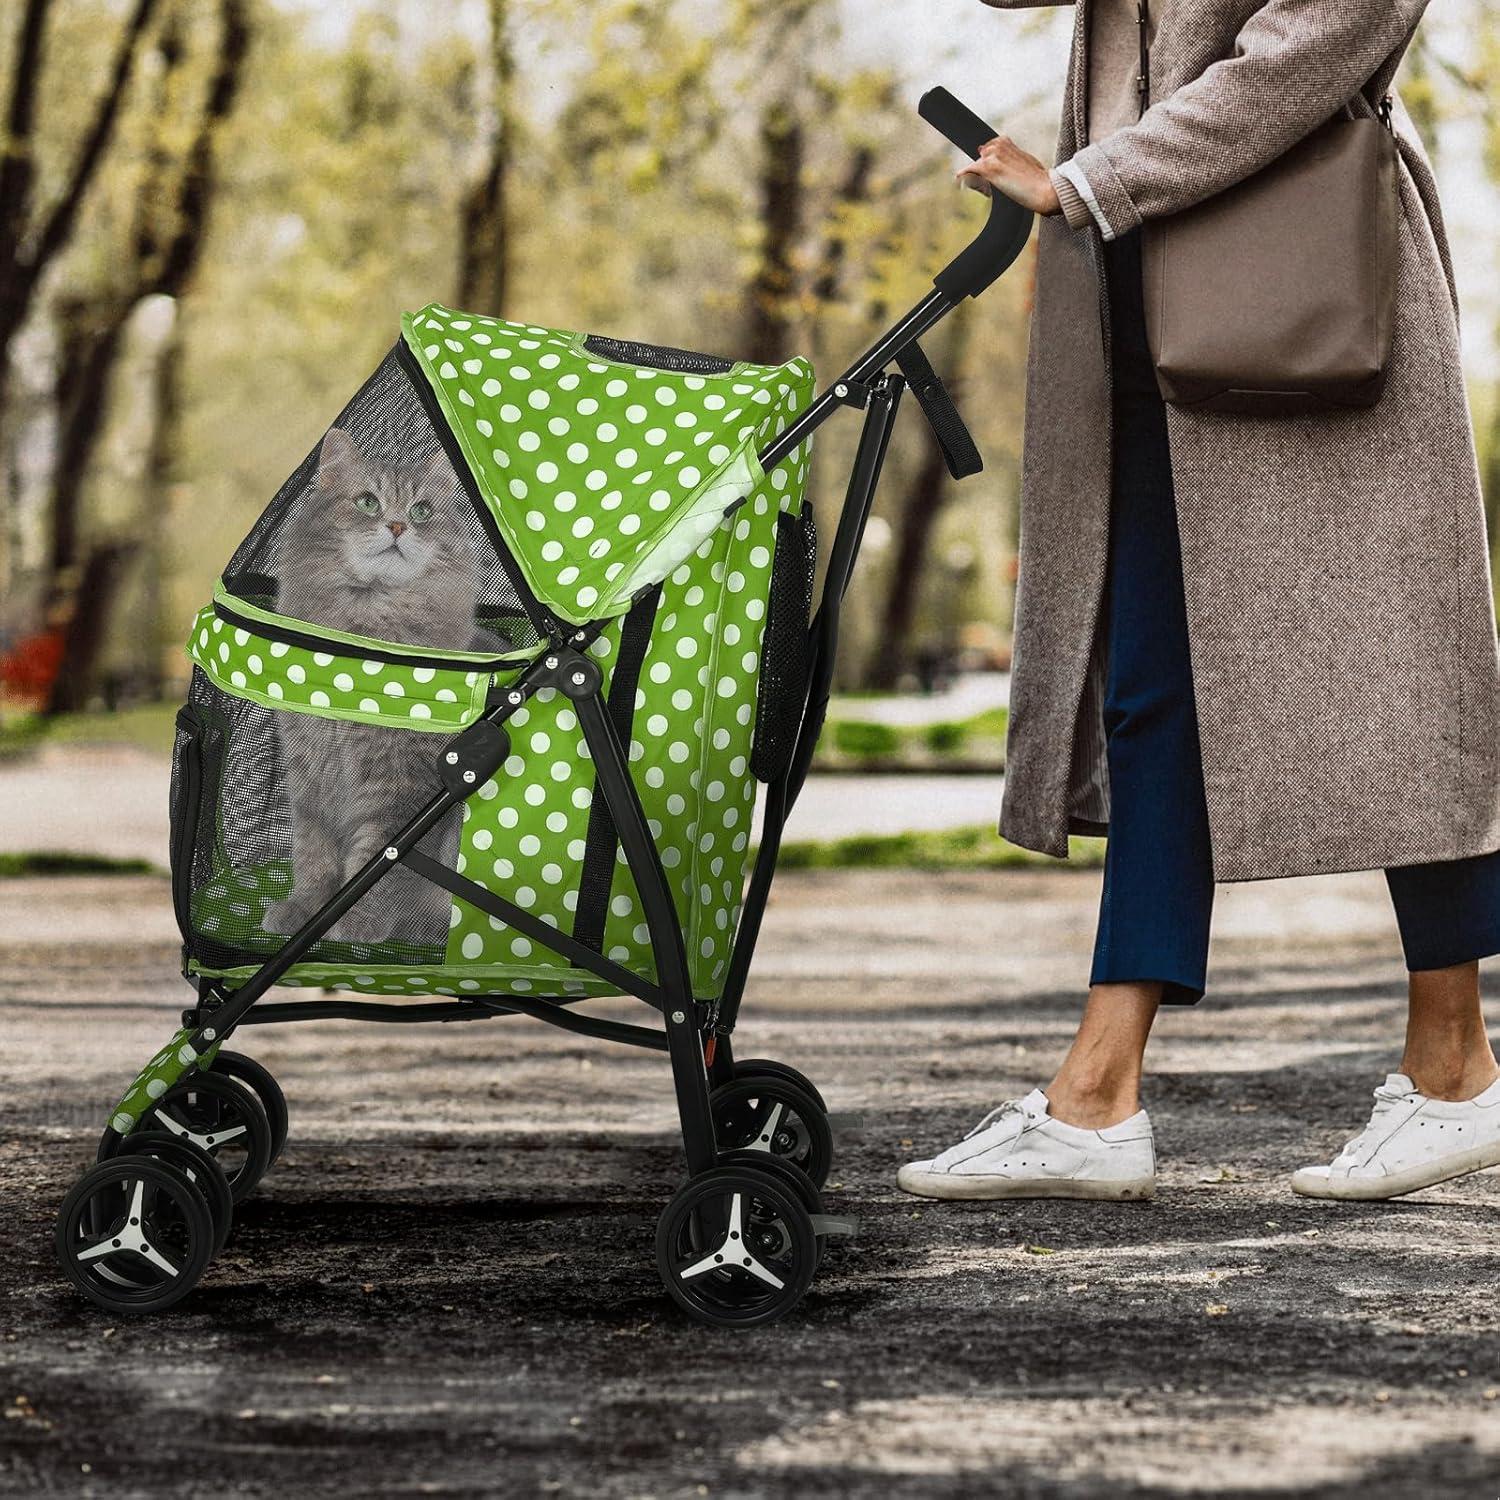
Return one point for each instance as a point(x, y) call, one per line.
point(775, 1116)
point(735, 1247)
point(134, 1235)
point(765, 1067)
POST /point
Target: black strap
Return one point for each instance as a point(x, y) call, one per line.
point(959, 452)
point(602, 840)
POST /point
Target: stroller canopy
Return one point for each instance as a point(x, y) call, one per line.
point(604, 464)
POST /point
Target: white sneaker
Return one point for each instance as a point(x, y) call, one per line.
point(1020, 1151)
point(1411, 1142)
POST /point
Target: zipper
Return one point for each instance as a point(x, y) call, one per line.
point(311, 641)
point(541, 620)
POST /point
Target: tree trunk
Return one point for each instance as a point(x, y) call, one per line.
point(484, 239)
point(171, 226)
point(768, 332)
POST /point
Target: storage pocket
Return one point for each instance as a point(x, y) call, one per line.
point(786, 650)
point(197, 751)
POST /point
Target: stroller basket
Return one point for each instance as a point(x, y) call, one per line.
point(479, 713)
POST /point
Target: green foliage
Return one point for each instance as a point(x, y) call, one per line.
point(865, 740)
point(944, 739)
point(973, 848)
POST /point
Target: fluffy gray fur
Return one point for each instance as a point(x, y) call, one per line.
point(386, 551)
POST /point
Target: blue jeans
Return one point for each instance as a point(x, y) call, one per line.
point(1157, 906)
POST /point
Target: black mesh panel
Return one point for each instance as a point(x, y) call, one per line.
point(786, 654)
point(273, 811)
point(378, 534)
point(657, 356)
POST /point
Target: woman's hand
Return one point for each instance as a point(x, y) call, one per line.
point(1003, 165)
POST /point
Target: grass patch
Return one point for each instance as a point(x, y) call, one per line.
point(977, 847)
point(862, 744)
point(148, 727)
point(65, 862)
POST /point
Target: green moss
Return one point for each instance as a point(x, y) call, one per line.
point(852, 737)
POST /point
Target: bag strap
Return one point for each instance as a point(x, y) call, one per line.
point(953, 437)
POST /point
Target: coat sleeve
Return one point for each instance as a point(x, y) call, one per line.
point(1295, 64)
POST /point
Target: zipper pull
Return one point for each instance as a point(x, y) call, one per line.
point(1143, 73)
point(1383, 113)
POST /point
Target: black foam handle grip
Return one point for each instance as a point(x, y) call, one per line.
point(955, 120)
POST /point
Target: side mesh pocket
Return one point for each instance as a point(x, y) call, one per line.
point(786, 653)
point(196, 753)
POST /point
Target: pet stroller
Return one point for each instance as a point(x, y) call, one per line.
point(477, 717)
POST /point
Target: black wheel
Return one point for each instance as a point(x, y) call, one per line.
point(764, 1067)
point(776, 1116)
point(736, 1248)
point(198, 1166)
point(790, 1175)
point(223, 1118)
point(259, 1081)
point(134, 1235)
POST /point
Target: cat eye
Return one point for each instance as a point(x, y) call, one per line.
point(368, 503)
point(421, 511)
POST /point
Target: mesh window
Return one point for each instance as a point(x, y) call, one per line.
point(786, 654)
point(657, 356)
point(273, 812)
point(376, 534)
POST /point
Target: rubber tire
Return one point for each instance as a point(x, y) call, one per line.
point(765, 1067)
point(817, 1161)
point(791, 1174)
point(766, 1186)
point(189, 1202)
point(242, 1181)
point(201, 1169)
point(257, 1078)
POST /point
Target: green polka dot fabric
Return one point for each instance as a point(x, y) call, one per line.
point(613, 484)
point(603, 477)
point(169, 1065)
point(358, 688)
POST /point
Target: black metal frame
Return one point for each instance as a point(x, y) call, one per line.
point(695, 1034)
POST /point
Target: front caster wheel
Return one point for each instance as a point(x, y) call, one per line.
point(259, 1081)
point(736, 1248)
point(198, 1166)
point(777, 1117)
point(217, 1115)
point(134, 1235)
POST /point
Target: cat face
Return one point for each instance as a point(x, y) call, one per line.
point(387, 525)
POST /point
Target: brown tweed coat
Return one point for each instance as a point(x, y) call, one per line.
point(1336, 567)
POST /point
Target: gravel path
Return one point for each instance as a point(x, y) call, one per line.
point(445, 1287)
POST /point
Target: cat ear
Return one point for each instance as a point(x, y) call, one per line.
point(338, 458)
point(437, 471)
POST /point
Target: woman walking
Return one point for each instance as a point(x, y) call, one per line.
point(1247, 646)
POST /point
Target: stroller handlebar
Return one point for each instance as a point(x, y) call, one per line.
point(953, 118)
point(1008, 228)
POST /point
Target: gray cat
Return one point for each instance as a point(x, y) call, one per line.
point(388, 551)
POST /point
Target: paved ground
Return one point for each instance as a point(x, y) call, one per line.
point(445, 1286)
point(112, 800)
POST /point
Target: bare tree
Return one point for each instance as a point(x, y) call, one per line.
point(31, 239)
point(171, 220)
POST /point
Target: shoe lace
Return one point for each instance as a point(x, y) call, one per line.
point(1386, 1098)
point(1010, 1107)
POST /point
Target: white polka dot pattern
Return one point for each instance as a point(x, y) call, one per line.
point(589, 466)
point(362, 689)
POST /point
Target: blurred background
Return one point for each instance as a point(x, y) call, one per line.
point(212, 213)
